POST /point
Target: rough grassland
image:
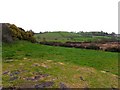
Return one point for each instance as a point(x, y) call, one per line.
point(22, 61)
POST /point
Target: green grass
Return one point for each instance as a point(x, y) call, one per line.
point(75, 63)
point(56, 36)
point(67, 36)
point(93, 58)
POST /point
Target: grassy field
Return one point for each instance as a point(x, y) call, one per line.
point(67, 36)
point(56, 36)
point(60, 66)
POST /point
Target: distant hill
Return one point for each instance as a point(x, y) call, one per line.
point(74, 37)
point(56, 36)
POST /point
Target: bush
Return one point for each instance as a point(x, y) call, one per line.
point(95, 47)
point(16, 33)
point(113, 49)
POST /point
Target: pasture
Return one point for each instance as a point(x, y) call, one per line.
point(67, 36)
point(32, 65)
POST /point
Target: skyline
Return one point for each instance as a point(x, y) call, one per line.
point(62, 15)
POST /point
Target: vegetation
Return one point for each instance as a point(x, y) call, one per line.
point(113, 49)
point(75, 37)
point(55, 36)
point(73, 67)
point(22, 49)
point(33, 65)
point(13, 33)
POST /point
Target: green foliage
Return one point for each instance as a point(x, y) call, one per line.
point(21, 34)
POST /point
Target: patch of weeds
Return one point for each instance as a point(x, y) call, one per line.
point(18, 57)
point(13, 78)
point(8, 60)
point(37, 70)
point(28, 54)
point(19, 49)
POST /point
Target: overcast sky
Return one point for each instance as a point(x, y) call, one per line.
point(61, 15)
